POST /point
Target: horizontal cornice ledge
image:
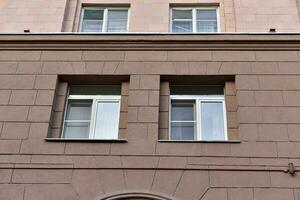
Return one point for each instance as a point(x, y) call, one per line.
point(149, 42)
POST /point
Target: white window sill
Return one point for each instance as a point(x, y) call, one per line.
point(200, 141)
point(85, 140)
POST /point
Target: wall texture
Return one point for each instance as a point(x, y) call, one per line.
point(150, 15)
point(260, 16)
point(35, 15)
point(267, 87)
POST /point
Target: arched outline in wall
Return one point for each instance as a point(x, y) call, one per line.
point(126, 195)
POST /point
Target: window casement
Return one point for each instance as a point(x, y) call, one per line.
point(92, 112)
point(197, 117)
point(96, 19)
point(194, 20)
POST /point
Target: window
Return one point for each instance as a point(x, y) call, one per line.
point(92, 112)
point(104, 20)
point(197, 20)
point(197, 113)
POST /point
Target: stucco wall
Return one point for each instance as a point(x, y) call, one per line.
point(260, 16)
point(153, 15)
point(149, 16)
point(267, 85)
point(35, 15)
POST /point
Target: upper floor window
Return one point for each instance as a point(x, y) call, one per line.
point(104, 19)
point(92, 112)
point(197, 113)
point(194, 20)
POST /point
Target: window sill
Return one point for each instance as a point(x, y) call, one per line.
point(200, 141)
point(86, 140)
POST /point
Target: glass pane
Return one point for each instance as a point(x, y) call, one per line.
point(207, 26)
point(182, 14)
point(76, 130)
point(182, 110)
point(107, 120)
point(206, 15)
point(212, 121)
point(117, 21)
point(95, 90)
point(92, 26)
point(207, 21)
point(90, 14)
point(182, 26)
point(79, 110)
point(197, 89)
point(183, 131)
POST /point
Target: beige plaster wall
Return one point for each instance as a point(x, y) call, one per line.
point(261, 15)
point(150, 15)
point(36, 15)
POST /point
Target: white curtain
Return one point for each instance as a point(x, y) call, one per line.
point(107, 120)
point(212, 121)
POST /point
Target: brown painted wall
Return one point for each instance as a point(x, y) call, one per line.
point(267, 88)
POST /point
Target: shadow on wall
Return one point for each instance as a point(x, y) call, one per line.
point(135, 196)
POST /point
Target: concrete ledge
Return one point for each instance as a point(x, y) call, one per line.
point(150, 41)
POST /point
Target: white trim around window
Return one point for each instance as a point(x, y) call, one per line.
point(198, 100)
point(104, 28)
point(194, 16)
point(95, 101)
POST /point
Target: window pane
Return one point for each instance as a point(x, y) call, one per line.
point(183, 131)
point(182, 26)
point(92, 20)
point(92, 26)
point(207, 26)
point(107, 120)
point(212, 121)
point(93, 14)
point(117, 21)
point(206, 15)
point(76, 130)
point(79, 110)
point(207, 21)
point(182, 110)
point(182, 14)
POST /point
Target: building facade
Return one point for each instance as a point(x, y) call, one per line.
point(149, 100)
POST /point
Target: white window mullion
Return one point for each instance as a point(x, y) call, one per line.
point(194, 20)
point(218, 19)
point(93, 123)
point(128, 17)
point(104, 28)
point(199, 135)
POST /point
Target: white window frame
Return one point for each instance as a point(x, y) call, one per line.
point(198, 100)
point(194, 17)
point(95, 99)
point(105, 14)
